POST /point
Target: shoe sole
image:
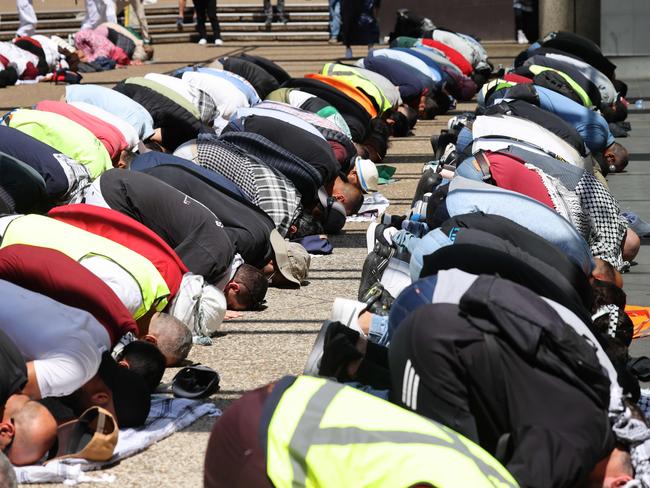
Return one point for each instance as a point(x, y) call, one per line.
point(370, 237)
point(312, 366)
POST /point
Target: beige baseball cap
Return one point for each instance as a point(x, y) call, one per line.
point(93, 436)
point(291, 259)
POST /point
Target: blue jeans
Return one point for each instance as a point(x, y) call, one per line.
point(378, 332)
point(535, 216)
point(335, 18)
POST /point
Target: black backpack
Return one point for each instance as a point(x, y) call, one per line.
point(532, 328)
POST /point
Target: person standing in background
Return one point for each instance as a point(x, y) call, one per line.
point(359, 24)
point(98, 12)
point(181, 15)
point(268, 11)
point(335, 21)
point(27, 17)
point(526, 28)
point(138, 10)
point(202, 8)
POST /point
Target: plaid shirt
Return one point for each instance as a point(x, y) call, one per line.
point(263, 186)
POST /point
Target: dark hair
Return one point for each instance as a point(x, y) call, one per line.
point(621, 87)
point(354, 198)
point(307, 225)
point(410, 113)
point(378, 138)
point(606, 293)
point(443, 100)
point(430, 108)
point(255, 285)
point(400, 124)
point(145, 360)
point(153, 145)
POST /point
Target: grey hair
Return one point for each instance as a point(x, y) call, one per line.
point(174, 338)
point(7, 473)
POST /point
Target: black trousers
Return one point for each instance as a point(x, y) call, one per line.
point(268, 9)
point(208, 7)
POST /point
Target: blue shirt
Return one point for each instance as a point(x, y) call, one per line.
point(114, 102)
point(590, 125)
point(409, 80)
point(467, 196)
point(436, 72)
point(43, 158)
point(403, 55)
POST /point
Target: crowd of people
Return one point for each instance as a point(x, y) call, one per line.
point(489, 324)
point(488, 342)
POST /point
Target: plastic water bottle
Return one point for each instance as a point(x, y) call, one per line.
point(639, 104)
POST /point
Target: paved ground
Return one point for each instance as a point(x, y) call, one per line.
point(263, 346)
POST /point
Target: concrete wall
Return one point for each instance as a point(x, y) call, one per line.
point(625, 27)
point(580, 16)
point(487, 19)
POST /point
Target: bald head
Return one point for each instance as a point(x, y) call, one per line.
point(172, 337)
point(34, 431)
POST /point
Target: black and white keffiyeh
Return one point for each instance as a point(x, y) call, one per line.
point(608, 227)
point(262, 186)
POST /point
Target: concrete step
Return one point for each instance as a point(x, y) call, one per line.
point(185, 36)
point(12, 16)
point(159, 19)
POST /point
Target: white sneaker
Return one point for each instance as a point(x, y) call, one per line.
point(203, 42)
point(521, 37)
point(218, 42)
point(347, 312)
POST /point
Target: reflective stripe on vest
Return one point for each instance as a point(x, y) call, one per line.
point(360, 82)
point(586, 101)
point(326, 434)
point(37, 230)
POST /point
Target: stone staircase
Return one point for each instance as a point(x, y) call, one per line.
point(239, 22)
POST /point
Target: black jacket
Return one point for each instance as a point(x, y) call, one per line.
point(247, 226)
point(189, 228)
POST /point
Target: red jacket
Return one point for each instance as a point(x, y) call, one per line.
point(52, 273)
point(454, 56)
point(109, 135)
point(130, 233)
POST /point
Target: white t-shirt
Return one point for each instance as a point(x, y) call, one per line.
point(65, 343)
point(226, 96)
point(184, 89)
point(117, 279)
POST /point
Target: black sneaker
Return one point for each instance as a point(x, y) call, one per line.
point(428, 181)
point(373, 268)
point(378, 299)
point(335, 347)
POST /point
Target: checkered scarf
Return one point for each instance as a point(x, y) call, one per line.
point(208, 109)
point(262, 186)
point(608, 228)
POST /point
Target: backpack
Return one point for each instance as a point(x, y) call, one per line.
point(532, 328)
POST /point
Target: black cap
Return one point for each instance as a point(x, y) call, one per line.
point(334, 215)
point(131, 396)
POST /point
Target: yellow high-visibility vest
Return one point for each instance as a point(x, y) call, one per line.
point(37, 230)
point(324, 434)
